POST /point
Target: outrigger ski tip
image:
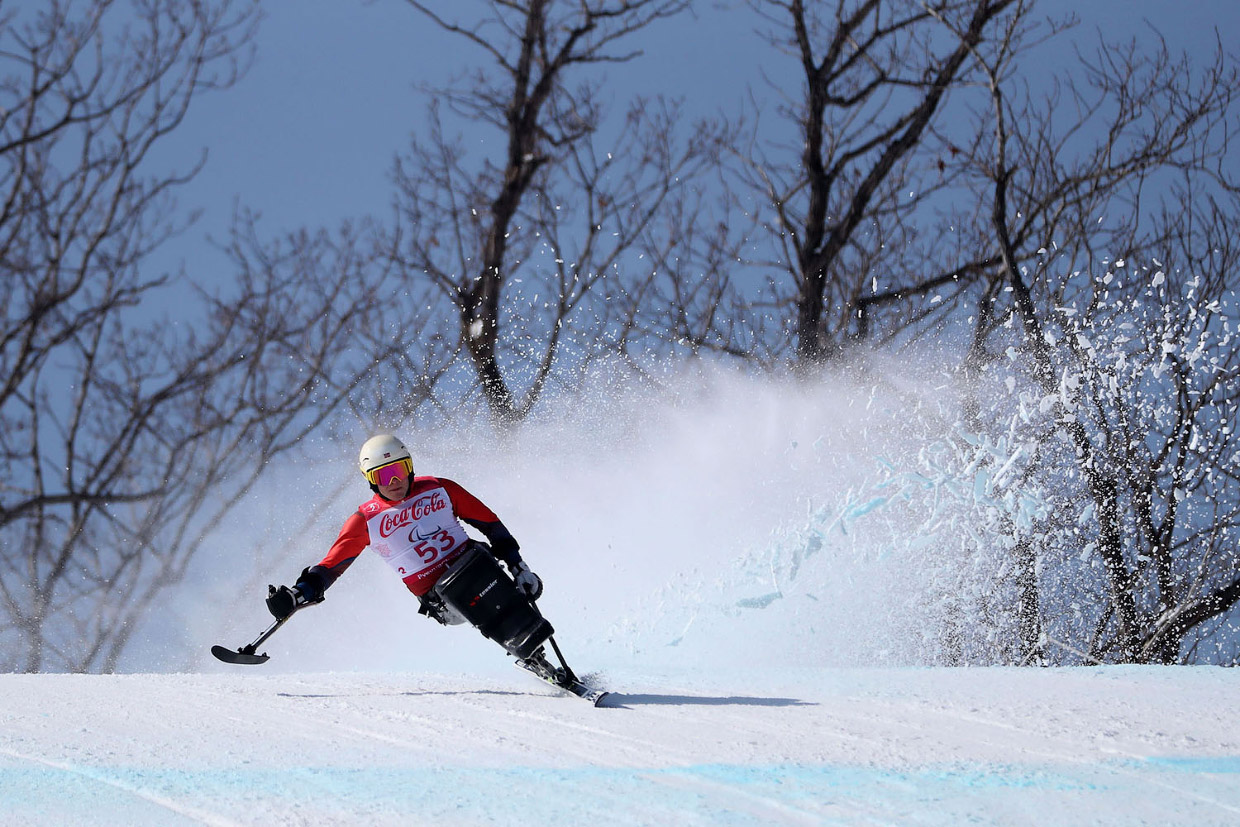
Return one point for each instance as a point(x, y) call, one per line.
point(238, 655)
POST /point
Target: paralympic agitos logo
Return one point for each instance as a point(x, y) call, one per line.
point(416, 510)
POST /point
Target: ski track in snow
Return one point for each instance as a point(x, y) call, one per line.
point(816, 746)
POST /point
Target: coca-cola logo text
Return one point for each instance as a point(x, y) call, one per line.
point(419, 508)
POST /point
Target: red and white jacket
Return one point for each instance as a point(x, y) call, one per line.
point(418, 537)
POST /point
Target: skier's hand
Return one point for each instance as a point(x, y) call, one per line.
point(311, 584)
point(526, 580)
point(283, 601)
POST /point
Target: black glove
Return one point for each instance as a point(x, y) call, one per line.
point(526, 580)
point(283, 601)
point(312, 582)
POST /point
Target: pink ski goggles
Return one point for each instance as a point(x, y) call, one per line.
point(387, 474)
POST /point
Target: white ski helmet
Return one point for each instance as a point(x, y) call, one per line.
point(382, 450)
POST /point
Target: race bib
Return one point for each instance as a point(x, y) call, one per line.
point(417, 538)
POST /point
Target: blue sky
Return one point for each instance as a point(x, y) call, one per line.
point(308, 137)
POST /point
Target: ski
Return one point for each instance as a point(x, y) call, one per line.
point(561, 679)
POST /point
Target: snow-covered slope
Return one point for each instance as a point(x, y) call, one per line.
point(740, 564)
point(819, 746)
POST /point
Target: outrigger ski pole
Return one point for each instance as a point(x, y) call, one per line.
point(246, 654)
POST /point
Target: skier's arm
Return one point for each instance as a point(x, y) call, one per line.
point(473, 511)
point(503, 545)
point(351, 542)
point(314, 580)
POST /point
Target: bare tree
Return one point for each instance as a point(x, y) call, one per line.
point(905, 211)
point(125, 436)
point(1125, 414)
point(845, 215)
point(527, 247)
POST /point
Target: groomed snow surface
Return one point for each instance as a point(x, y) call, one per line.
point(1126, 745)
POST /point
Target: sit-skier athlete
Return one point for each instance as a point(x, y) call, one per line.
point(414, 524)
